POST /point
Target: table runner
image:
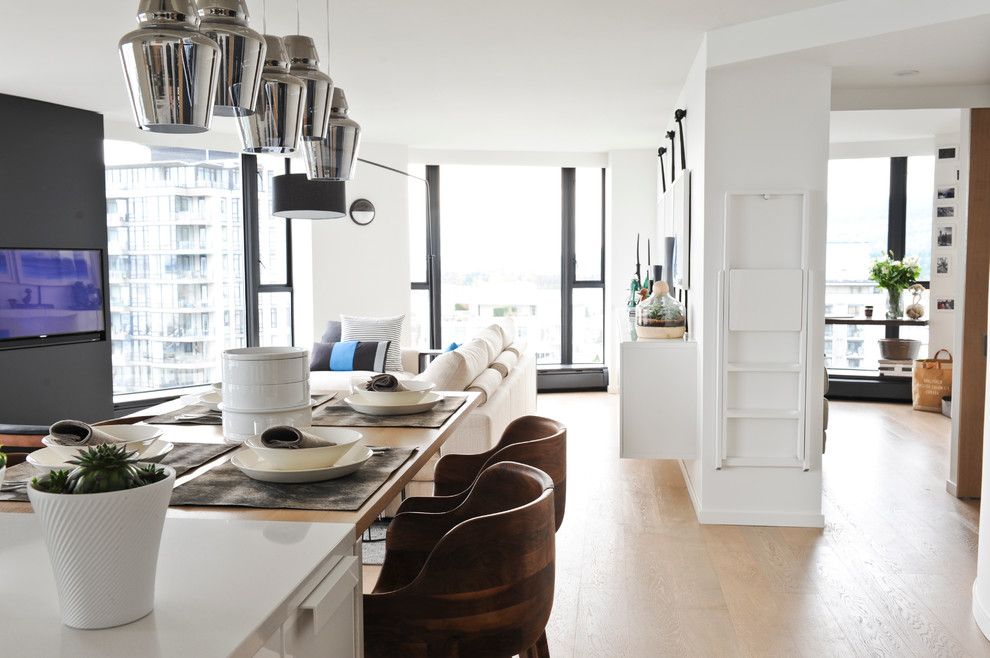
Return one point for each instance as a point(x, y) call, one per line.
point(205, 416)
point(226, 486)
point(183, 458)
point(339, 414)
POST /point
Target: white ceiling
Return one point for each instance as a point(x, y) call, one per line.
point(953, 53)
point(534, 75)
point(891, 125)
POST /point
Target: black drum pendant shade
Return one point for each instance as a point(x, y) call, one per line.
point(296, 197)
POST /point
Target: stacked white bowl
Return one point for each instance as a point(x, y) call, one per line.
point(264, 387)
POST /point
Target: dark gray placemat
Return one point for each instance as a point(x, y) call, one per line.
point(183, 458)
point(339, 414)
point(225, 486)
point(206, 417)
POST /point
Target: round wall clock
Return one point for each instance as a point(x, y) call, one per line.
point(362, 212)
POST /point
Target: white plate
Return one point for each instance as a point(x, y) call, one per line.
point(248, 463)
point(49, 460)
point(414, 392)
point(364, 406)
point(137, 438)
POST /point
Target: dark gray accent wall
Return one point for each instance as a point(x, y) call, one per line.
point(52, 195)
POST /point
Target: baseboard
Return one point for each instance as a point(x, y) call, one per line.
point(732, 517)
point(952, 488)
point(980, 613)
point(692, 494)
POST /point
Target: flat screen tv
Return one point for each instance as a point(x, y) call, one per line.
point(51, 295)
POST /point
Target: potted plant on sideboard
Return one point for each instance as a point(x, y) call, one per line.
point(895, 276)
point(102, 524)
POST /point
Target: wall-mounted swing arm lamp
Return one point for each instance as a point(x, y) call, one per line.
point(663, 177)
point(679, 116)
point(673, 155)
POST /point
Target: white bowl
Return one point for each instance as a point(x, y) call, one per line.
point(415, 394)
point(210, 400)
point(288, 459)
point(241, 425)
point(273, 397)
point(48, 460)
point(136, 438)
point(248, 462)
point(265, 365)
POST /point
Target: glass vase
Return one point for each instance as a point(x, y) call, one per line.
point(894, 310)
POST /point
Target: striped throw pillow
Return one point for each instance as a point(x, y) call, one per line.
point(350, 355)
point(376, 329)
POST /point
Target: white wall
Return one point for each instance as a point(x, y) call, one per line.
point(631, 208)
point(960, 292)
point(755, 138)
point(981, 588)
point(341, 267)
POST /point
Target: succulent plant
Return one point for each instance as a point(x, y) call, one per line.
point(100, 469)
point(3, 458)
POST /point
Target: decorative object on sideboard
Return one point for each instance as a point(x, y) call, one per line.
point(362, 212)
point(242, 55)
point(679, 116)
point(335, 157)
point(276, 125)
point(899, 349)
point(894, 276)
point(171, 69)
point(915, 309)
point(660, 316)
point(102, 524)
point(631, 304)
point(868, 311)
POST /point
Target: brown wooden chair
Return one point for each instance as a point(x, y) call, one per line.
point(532, 440)
point(474, 581)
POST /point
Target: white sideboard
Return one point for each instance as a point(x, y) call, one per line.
point(224, 588)
point(659, 381)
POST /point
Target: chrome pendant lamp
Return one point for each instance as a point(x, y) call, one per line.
point(242, 55)
point(304, 64)
point(171, 69)
point(278, 116)
point(334, 157)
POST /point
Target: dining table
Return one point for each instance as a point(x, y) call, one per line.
point(324, 606)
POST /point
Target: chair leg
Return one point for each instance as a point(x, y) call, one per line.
point(539, 650)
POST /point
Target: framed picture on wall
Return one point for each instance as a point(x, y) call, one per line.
point(943, 266)
point(946, 192)
point(944, 235)
point(945, 304)
point(944, 212)
point(680, 191)
point(947, 153)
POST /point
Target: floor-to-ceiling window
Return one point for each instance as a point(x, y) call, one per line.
point(176, 230)
point(875, 206)
point(525, 242)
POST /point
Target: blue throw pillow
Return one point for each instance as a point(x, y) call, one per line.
point(453, 346)
point(350, 355)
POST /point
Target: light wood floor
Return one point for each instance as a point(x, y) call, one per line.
point(890, 575)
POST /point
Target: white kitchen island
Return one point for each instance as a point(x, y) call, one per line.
point(224, 588)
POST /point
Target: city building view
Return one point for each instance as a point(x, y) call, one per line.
point(176, 254)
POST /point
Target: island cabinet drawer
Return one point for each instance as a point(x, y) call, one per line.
point(325, 623)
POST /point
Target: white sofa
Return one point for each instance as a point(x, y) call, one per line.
point(504, 397)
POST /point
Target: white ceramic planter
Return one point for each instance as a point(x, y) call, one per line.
point(265, 365)
point(272, 397)
point(103, 549)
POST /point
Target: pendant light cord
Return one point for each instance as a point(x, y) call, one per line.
point(298, 28)
point(328, 37)
point(264, 16)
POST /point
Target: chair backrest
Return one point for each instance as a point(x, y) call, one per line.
point(539, 442)
point(486, 589)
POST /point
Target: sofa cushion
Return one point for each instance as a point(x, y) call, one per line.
point(518, 347)
point(350, 355)
point(508, 328)
point(454, 371)
point(486, 383)
point(332, 333)
point(493, 340)
point(505, 362)
point(375, 329)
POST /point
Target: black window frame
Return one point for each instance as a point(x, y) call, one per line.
point(581, 376)
point(253, 288)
